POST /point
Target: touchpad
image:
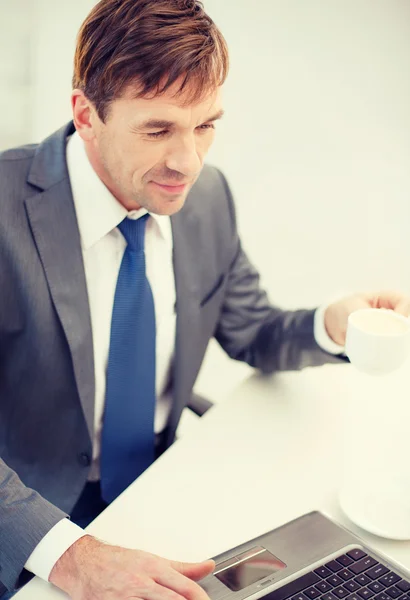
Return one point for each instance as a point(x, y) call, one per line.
point(248, 568)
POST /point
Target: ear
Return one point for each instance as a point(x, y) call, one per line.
point(82, 115)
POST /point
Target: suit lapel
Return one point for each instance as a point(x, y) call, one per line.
point(53, 222)
point(186, 270)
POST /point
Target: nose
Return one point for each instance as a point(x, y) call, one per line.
point(184, 158)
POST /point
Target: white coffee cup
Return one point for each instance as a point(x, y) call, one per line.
point(377, 340)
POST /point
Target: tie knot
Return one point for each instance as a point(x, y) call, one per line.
point(133, 230)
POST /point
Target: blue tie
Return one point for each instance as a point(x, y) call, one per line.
point(127, 444)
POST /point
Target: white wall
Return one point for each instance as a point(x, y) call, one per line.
point(56, 26)
point(315, 143)
point(15, 72)
point(319, 140)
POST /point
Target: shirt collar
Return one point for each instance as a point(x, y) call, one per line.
point(98, 211)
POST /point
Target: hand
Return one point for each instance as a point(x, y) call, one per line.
point(336, 314)
point(93, 570)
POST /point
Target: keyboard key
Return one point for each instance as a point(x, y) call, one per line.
point(323, 572)
point(298, 597)
point(363, 564)
point(389, 579)
point(328, 596)
point(334, 566)
point(334, 580)
point(377, 571)
point(340, 592)
point(345, 574)
point(356, 554)
point(344, 560)
point(362, 579)
point(393, 592)
point(323, 586)
point(365, 593)
point(311, 593)
point(294, 587)
point(352, 586)
point(353, 597)
point(382, 596)
point(403, 585)
point(376, 586)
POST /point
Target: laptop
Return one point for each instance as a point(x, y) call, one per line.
point(310, 558)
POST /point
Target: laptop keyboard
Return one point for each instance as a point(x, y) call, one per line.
point(351, 576)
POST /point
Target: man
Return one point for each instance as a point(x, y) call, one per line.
point(113, 282)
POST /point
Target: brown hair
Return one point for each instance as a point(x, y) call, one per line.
point(151, 44)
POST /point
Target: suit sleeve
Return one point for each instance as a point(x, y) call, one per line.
point(252, 330)
point(25, 518)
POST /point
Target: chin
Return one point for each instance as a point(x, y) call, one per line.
point(169, 208)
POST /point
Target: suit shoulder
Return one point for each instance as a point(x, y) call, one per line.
point(19, 153)
point(15, 165)
point(210, 179)
point(211, 201)
point(211, 191)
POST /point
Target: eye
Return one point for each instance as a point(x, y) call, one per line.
point(158, 134)
point(164, 132)
point(206, 126)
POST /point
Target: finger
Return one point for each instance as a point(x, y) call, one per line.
point(158, 592)
point(403, 307)
point(357, 302)
point(195, 571)
point(388, 299)
point(182, 585)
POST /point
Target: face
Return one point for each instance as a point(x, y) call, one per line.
point(150, 151)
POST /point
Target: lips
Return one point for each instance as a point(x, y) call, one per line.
point(174, 189)
point(171, 184)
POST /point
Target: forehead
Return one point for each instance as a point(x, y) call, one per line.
point(169, 105)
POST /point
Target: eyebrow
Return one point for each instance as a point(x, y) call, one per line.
point(164, 124)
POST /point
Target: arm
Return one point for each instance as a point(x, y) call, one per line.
point(252, 330)
point(52, 547)
point(25, 518)
point(88, 567)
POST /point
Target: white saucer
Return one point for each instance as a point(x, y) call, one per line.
point(382, 508)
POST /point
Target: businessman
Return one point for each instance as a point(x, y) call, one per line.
point(119, 260)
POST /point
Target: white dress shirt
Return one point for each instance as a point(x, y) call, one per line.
point(103, 245)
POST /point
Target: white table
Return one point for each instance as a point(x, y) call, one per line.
point(267, 454)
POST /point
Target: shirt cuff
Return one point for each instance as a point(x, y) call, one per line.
point(321, 336)
point(52, 547)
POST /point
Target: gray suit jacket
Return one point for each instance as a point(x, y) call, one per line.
point(46, 350)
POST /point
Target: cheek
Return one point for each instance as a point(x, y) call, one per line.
point(142, 174)
point(141, 162)
point(205, 142)
point(152, 160)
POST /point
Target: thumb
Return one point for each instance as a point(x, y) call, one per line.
point(403, 307)
point(195, 571)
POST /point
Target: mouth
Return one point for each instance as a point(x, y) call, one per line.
point(171, 189)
